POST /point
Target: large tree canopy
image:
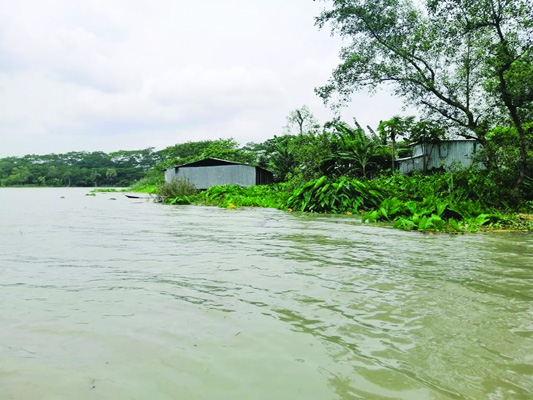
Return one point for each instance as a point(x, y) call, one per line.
point(467, 63)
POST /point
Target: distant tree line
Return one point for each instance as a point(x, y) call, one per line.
point(77, 168)
point(120, 168)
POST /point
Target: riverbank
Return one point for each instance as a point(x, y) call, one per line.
point(436, 203)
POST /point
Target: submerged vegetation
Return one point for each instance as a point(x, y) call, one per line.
point(436, 203)
point(232, 196)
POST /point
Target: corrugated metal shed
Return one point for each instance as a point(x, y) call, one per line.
point(213, 172)
point(446, 154)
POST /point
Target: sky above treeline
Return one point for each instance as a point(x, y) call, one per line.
point(129, 74)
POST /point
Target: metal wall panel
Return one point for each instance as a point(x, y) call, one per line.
point(170, 173)
point(447, 155)
point(205, 177)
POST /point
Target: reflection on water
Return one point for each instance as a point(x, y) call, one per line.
point(128, 299)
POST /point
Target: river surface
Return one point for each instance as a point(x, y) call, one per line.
point(128, 299)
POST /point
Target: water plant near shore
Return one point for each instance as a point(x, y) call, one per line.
point(109, 190)
point(335, 196)
point(230, 196)
point(439, 203)
point(433, 214)
point(426, 203)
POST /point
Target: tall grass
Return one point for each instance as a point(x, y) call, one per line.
point(148, 185)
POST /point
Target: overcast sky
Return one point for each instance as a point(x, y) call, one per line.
point(131, 74)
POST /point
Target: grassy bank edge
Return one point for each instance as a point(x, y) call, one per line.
point(366, 201)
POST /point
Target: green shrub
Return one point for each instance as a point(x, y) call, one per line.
point(178, 187)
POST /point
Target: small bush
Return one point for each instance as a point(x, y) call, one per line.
point(178, 187)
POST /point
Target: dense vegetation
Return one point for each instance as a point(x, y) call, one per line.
point(451, 202)
point(467, 65)
point(345, 170)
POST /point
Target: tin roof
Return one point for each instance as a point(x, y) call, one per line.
point(444, 141)
point(214, 162)
point(210, 162)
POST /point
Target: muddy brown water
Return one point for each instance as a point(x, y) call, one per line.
point(127, 299)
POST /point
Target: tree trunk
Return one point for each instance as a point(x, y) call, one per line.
point(523, 151)
point(393, 138)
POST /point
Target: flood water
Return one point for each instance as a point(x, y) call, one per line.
point(127, 299)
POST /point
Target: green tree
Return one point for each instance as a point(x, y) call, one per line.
point(181, 153)
point(466, 63)
point(261, 151)
point(425, 132)
point(300, 121)
point(111, 175)
point(227, 149)
point(503, 148)
point(77, 168)
point(281, 161)
point(20, 175)
point(312, 154)
point(354, 150)
point(393, 129)
point(93, 176)
point(137, 159)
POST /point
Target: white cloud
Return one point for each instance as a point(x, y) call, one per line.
point(127, 74)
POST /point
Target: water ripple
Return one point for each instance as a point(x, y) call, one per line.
point(229, 303)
